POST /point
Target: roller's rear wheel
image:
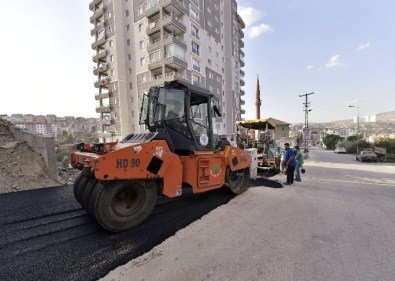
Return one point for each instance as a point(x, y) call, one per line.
point(80, 183)
point(237, 181)
point(121, 205)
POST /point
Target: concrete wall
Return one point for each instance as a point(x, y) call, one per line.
point(43, 145)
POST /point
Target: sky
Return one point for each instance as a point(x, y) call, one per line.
point(343, 51)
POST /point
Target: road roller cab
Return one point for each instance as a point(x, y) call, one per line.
point(120, 181)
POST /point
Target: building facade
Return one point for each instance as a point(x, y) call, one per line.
point(139, 44)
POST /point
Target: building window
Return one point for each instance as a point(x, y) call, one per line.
point(131, 87)
point(140, 27)
point(140, 11)
point(109, 15)
point(128, 42)
point(142, 61)
point(112, 58)
point(127, 27)
point(129, 71)
point(127, 13)
point(209, 49)
point(210, 75)
point(195, 79)
point(195, 48)
point(209, 62)
point(195, 64)
point(129, 57)
point(112, 72)
point(195, 31)
point(194, 15)
point(142, 44)
point(110, 43)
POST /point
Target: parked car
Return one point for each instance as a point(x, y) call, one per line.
point(367, 155)
point(340, 149)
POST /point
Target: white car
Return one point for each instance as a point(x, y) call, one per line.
point(340, 149)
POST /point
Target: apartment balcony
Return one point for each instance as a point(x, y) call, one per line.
point(106, 95)
point(98, 43)
point(102, 69)
point(177, 7)
point(94, 3)
point(241, 22)
point(241, 33)
point(97, 14)
point(242, 93)
point(153, 27)
point(242, 102)
point(175, 62)
point(152, 10)
point(103, 109)
point(154, 45)
point(100, 56)
point(241, 44)
point(102, 83)
point(173, 24)
point(242, 54)
point(242, 73)
point(242, 111)
point(242, 82)
point(155, 64)
point(161, 79)
point(104, 122)
point(242, 63)
point(175, 40)
point(98, 27)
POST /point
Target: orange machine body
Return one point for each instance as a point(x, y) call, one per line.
point(202, 170)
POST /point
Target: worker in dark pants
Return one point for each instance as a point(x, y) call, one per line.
point(290, 163)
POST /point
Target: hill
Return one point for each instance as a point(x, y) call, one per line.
point(386, 117)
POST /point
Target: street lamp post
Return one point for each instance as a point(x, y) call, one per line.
point(357, 126)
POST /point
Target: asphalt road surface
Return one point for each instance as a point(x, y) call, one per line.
point(337, 224)
point(46, 235)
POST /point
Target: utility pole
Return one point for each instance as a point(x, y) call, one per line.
point(306, 115)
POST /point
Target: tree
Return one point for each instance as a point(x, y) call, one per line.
point(64, 135)
point(60, 154)
point(66, 162)
point(330, 141)
point(70, 138)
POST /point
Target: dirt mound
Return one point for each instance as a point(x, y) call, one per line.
point(20, 167)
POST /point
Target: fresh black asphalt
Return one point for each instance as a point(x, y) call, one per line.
point(46, 235)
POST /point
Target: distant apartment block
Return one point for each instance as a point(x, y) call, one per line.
point(366, 119)
point(51, 125)
point(139, 44)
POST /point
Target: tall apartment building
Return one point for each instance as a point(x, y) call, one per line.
point(143, 43)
